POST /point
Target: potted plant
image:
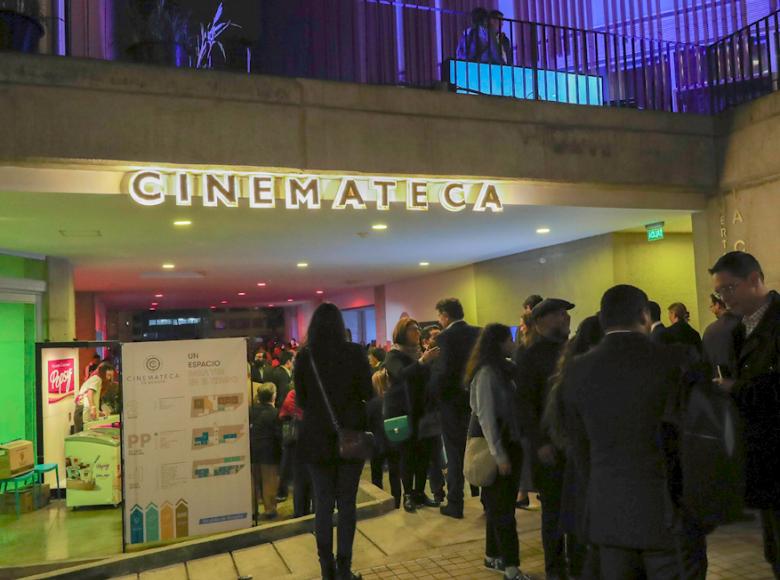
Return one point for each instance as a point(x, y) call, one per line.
point(161, 33)
point(21, 25)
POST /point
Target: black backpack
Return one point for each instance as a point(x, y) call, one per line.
point(710, 475)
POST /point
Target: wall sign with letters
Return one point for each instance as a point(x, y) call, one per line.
point(294, 191)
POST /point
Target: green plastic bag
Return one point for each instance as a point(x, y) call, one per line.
point(398, 429)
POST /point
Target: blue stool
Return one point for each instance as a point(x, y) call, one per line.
point(22, 481)
point(44, 468)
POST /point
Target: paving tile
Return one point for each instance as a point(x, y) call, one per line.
point(300, 555)
point(260, 562)
point(175, 572)
point(212, 568)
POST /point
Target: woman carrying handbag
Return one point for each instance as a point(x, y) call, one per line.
point(408, 370)
point(333, 383)
point(494, 417)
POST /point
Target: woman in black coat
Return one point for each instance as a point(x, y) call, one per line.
point(346, 380)
point(409, 370)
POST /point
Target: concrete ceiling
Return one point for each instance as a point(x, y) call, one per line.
point(118, 247)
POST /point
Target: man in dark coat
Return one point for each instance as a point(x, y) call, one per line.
point(535, 366)
point(739, 280)
point(718, 339)
point(447, 375)
point(615, 396)
point(281, 376)
point(657, 328)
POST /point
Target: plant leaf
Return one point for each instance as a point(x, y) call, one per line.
point(218, 15)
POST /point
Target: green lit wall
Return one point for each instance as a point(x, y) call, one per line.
point(17, 353)
point(17, 370)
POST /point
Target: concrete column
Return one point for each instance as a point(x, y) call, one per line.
point(380, 313)
point(704, 259)
point(61, 300)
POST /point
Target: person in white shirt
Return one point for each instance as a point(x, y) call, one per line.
point(88, 398)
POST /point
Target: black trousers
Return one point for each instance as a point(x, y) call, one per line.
point(500, 524)
point(687, 561)
point(393, 472)
point(770, 521)
point(454, 423)
point(436, 468)
point(335, 485)
point(415, 457)
point(549, 483)
point(303, 493)
point(285, 471)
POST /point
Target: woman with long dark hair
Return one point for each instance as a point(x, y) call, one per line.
point(346, 380)
point(494, 417)
point(582, 559)
point(408, 369)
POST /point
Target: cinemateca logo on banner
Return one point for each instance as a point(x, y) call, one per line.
point(62, 379)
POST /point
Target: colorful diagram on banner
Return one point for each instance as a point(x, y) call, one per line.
point(62, 379)
point(210, 436)
point(217, 467)
point(155, 524)
point(209, 404)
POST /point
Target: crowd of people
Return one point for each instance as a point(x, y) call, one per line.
point(595, 424)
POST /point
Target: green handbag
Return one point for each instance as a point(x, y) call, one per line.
point(398, 429)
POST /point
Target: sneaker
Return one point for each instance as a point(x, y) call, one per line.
point(519, 576)
point(495, 564)
point(524, 504)
point(409, 504)
point(281, 498)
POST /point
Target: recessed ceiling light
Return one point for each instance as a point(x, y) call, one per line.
point(303, 265)
point(424, 264)
point(213, 307)
point(182, 223)
point(543, 231)
point(289, 300)
point(270, 306)
point(223, 302)
point(155, 304)
point(261, 284)
point(168, 266)
point(158, 295)
point(379, 227)
point(152, 309)
point(320, 291)
point(242, 293)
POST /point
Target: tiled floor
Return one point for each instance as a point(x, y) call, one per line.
point(428, 546)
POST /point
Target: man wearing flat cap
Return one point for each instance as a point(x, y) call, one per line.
point(536, 365)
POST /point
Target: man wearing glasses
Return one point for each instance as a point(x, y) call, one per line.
point(739, 281)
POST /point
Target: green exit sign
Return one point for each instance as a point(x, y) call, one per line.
point(655, 232)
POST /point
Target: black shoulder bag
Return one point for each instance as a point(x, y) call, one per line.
point(353, 445)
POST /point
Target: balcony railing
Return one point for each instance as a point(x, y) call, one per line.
point(398, 42)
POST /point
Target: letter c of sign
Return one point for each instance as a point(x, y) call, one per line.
point(447, 200)
point(146, 188)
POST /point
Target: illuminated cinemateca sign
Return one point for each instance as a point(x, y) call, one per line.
point(268, 191)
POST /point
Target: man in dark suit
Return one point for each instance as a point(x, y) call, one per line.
point(456, 343)
point(281, 376)
point(535, 365)
point(657, 328)
point(718, 339)
point(615, 397)
point(739, 280)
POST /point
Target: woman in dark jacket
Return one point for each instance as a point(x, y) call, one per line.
point(383, 451)
point(583, 558)
point(408, 369)
point(346, 380)
point(493, 400)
